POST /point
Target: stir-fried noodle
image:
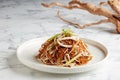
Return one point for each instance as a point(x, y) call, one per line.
point(64, 49)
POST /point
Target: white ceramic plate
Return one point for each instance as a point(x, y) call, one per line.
point(29, 49)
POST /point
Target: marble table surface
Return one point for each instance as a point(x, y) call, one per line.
point(22, 20)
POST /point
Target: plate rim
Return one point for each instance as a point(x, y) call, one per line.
point(63, 68)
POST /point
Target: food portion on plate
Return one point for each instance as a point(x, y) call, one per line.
point(64, 49)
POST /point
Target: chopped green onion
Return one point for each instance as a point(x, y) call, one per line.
point(67, 32)
point(71, 60)
point(53, 37)
point(51, 46)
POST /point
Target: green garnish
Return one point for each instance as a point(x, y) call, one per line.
point(71, 60)
point(51, 46)
point(64, 32)
point(68, 32)
point(53, 37)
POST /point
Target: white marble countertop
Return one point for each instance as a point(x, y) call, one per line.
point(22, 20)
